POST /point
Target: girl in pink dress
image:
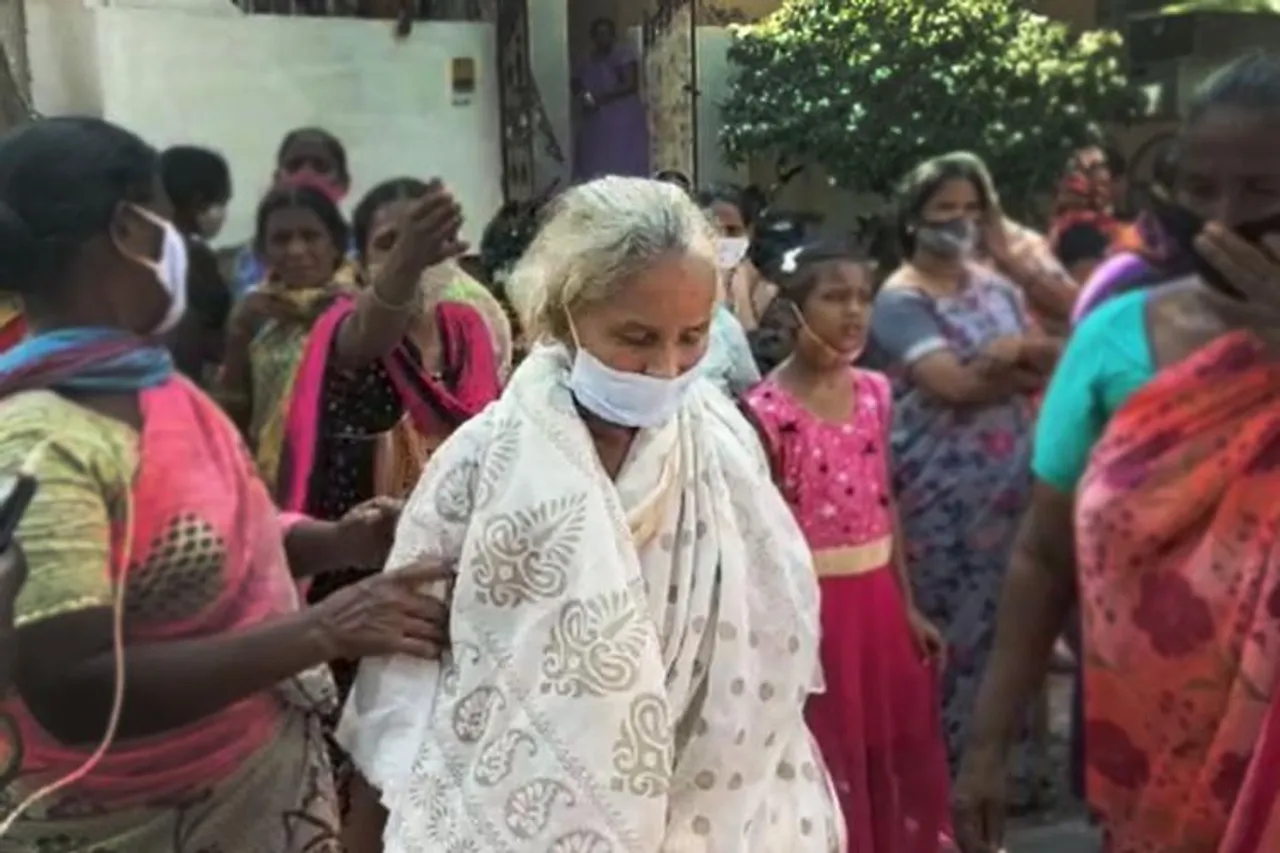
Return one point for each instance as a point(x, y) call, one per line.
point(825, 424)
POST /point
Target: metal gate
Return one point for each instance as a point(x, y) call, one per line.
point(671, 86)
point(515, 104)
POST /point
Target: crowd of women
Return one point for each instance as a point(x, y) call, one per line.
point(369, 544)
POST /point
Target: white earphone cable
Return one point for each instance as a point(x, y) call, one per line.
point(117, 642)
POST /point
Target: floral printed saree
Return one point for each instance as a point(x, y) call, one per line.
point(1177, 525)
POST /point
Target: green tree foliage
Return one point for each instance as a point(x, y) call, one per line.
point(867, 89)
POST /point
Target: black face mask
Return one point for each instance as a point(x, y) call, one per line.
point(1181, 227)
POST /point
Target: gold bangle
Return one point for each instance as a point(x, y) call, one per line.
point(387, 305)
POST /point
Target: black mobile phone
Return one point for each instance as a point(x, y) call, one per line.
point(16, 492)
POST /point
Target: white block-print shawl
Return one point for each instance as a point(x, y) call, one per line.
point(630, 660)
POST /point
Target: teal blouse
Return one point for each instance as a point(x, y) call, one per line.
point(1107, 358)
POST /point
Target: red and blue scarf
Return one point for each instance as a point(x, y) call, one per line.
point(101, 360)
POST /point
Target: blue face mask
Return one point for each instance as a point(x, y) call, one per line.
point(627, 399)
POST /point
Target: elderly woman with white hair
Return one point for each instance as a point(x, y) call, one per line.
point(634, 613)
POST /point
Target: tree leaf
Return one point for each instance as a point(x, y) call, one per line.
point(866, 89)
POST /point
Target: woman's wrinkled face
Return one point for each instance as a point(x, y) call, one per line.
point(728, 219)
point(957, 198)
point(383, 230)
point(1228, 170)
point(658, 323)
point(838, 310)
point(298, 249)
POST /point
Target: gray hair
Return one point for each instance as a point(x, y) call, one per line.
point(597, 238)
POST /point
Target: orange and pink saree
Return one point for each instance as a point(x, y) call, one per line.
point(1178, 528)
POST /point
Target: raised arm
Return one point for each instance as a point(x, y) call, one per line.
point(426, 235)
point(1028, 261)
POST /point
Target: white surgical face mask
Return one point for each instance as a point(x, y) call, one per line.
point(627, 399)
point(170, 271)
point(730, 251)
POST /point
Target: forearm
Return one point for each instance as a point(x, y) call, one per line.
point(980, 386)
point(1049, 292)
point(366, 819)
point(900, 554)
point(1041, 353)
point(168, 684)
point(314, 547)
point(383, 312)
point(1034, 607)
point(232, 388)
point(625, 91)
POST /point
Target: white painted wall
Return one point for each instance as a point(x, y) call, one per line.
point(550, 63)
point(714, 72)
point(237, 83)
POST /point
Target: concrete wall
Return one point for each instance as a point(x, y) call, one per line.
point(237, 83)
point(551, 64)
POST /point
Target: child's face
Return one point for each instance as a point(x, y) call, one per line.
point(837, 313)
point(1081, 271)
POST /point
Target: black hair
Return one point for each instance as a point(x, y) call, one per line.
point(1164, 171)
point(726, 194)
point(330, 143)
point(798, 273)
point(285, 198)
point(924, 181)
point(796, 277)
point(1117, 163)
point(674, 176)
point(1081, 242)
point(754, 202)
point(194, 177)
point(507, 237)
point(377, 198)
point(602, 21)
point(1251, 82)
point(61, 183)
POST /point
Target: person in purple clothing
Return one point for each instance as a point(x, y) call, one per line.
point(612, 131)
point(1158, 260)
